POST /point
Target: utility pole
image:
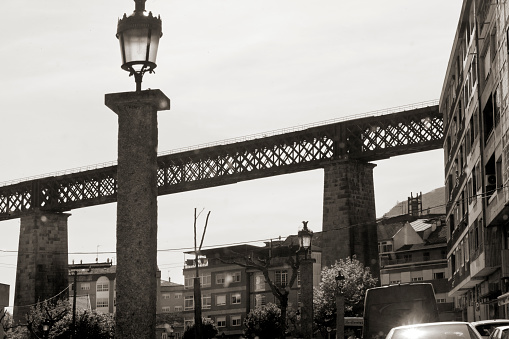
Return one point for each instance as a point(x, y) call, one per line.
point(196, 281)
point(74, 287)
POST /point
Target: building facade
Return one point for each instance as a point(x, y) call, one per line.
point(229, 291)
point(474, 101)
point(414, 249)
point(171, 298)
point(95, 286)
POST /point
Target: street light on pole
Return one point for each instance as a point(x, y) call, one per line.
point(306, 273)
point(138, 35)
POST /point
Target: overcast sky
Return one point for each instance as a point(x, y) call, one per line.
point(231, 68)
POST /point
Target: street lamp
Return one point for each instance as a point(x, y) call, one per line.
point(305, 235)
point(138, 35)
point(45, 329)
point(137, 167)
point(306, 274)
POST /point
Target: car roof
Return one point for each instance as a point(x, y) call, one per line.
point(436, 324)
point(492, 321)
point(503, 327)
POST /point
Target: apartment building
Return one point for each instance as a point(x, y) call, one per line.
point(95, 286)
point(414, 249)
point(474, 105)
point(171, 298)
point(229, 291)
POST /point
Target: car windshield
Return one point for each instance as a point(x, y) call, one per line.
point(445, 331)
point(487, 329)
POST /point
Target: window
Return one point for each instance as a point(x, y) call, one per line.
point(384, 246)
point(102, 287)
point(259, 300)
point(441, 300)
point(407, 257)
point(439, 275)
point(166, 296)
point(221, 321)
point(220, 278)
point(166, 309)
point(417, 279)
point(393, 282)
point(188, 281)
point(206, 301)
point(177, 308)
point(236, 277)
point(259, 282)
point(188, 302)
point(236, 320)
point(177, 295)
point(426, 256)
point(85, 286)
point(102, 302)
point(205, 279)
point(220, 300)
point(281, 277)
point(164, 335)
point(235, 298)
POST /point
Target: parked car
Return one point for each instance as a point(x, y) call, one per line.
point(486, 327)
point(501, 332)
point(438, 330)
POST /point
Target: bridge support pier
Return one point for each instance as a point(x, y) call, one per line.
point(137, 211)
point(349, 216)
point(41, 271)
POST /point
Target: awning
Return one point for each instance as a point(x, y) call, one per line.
point(503, 299)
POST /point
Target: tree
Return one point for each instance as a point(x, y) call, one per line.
point(357, 279)
point(264, 322)
point(208, 330)
point(58, 315)
point(89, 324)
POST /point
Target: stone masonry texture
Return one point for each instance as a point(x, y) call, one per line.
point(42, 261)
point(136, 211)
point(349, 216)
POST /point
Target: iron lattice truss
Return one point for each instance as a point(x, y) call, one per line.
point(366, 139)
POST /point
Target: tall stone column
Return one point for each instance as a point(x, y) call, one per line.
point(306, 296)
point(42, 271)
point(137, 210)
point(349, 216)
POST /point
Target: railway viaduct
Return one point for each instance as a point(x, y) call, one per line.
point(343, 149)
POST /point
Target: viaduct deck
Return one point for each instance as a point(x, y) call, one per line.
point(368, 138)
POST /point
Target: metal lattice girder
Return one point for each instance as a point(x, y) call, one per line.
point(389, 135)
point(366, 139)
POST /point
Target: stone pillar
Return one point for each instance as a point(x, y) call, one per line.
point(306, 296)
point(42, 271)
point(349, 217)
point(137, 211)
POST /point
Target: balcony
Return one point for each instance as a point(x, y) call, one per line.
point(458, 231)
point(190, 263)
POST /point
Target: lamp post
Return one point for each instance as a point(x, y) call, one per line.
point(138, 35)
point(135, 316)
point(340, 310)
point(306, 275)
point(45, 329)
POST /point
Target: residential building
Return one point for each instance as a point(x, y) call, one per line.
point(229, 290)
point(474, 103)
point(95, 290)
point(171, 298)
point(95, 286)
point(413, 248)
